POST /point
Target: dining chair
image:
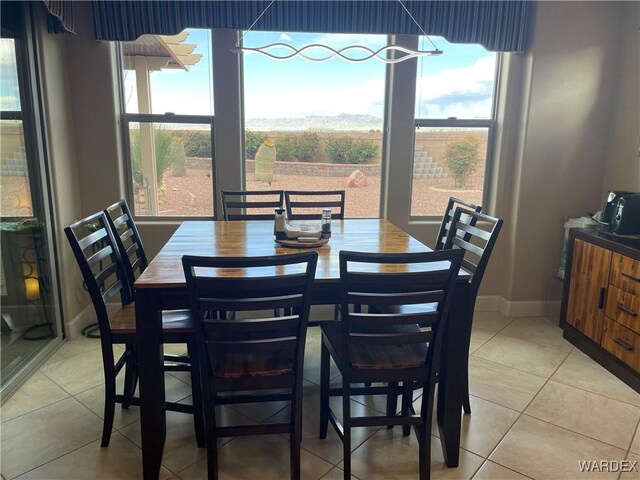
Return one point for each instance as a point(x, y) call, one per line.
point(475, 234)
point(448, 215)
point(135, 261)
point(244, 200)
point(253, 356)
point(127, 239)
point(95, 249)
point(308, 205)
point(401, 351)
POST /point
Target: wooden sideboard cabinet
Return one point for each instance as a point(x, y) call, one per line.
point(601, 301)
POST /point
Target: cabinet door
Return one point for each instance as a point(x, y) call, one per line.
point(587, 290)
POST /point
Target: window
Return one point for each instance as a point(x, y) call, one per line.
point(168, 104)
point(454, 119)
point(28, 289)
point(325, 119)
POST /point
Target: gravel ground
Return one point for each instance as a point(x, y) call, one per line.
point(192, 194)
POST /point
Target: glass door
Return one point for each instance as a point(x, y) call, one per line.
point(29, 313)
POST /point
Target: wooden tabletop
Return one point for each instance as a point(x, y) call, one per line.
point(255, 238)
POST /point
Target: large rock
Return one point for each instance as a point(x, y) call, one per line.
point(357, 180)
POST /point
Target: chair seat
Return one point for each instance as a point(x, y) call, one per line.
point(243, 365)
point(173, 321)
point(376, 357)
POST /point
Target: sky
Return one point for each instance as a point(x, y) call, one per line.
point(9, 93)
point(458, 83)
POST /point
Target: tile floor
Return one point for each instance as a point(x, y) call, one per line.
point(539, 407)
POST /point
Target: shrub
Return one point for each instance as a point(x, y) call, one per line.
point(462, 159)
point(301, 146)
point(304, 146)
point(284, 148)
point(348, 150)
point(197, 143)
point(168, 149)
point(338, 149)
point(252, 141)
point(363, 150)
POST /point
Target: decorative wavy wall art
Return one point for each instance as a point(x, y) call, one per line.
point(362, 54)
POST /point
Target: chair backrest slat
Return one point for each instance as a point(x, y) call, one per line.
point(448, 215)
point(411, 298)
point(396, 282)
point(128, 240)
point(254, 346)
point(477, 246)
point(431, 276)
point(424, 319)
point(386, 339)
point(308, 205)
point(236, 204)
point(233, 303)
point(244, 324)
point(93, 238)
point(99, 256)
point(469, 247)
point(94, 246)
point(266, 286)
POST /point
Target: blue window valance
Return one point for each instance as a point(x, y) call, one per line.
point(497, 25)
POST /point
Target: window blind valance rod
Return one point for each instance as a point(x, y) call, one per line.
point(497, 25)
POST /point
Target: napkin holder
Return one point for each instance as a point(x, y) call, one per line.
point(296, 231)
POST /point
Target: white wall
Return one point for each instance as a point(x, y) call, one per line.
point(622, 168)
point(571, 71)
point(61, 141)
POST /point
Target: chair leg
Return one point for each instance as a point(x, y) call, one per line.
point(295, 436)
point(424, 434)
point(212, 441)
point(424, 450)
point(466, 405)
point(196, 393)
point(109, 406)
point(325, 367)
point(407, 396)
point(346, 426)
point(392, 402)
point(130, 376)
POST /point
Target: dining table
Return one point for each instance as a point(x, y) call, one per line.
point(162, 286)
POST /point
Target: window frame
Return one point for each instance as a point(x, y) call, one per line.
point(396, 184)
point(160, 118)
point(489, 124)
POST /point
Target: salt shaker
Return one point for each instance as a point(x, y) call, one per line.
point(279, 224)
point(326, 223)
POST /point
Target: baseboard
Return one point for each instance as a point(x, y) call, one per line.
point(73, 329)
point(496, 303)
point(488, 303)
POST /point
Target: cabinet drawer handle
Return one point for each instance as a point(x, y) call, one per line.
point(631, 276)
point(627, 310)
point(603, 292)
point(623, 344)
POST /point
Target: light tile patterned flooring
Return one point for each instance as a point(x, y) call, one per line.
point(539, 407)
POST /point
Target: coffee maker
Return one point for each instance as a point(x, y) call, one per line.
point(621, 213)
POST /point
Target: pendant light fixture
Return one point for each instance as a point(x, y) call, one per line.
point(284, 51)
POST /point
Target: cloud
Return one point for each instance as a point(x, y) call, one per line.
point(474, 79)
point(285, 38)
point(464, 92)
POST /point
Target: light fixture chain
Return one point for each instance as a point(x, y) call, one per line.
point(417, 24)
point(254, 22)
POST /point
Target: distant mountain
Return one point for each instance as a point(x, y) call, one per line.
point(342, 122)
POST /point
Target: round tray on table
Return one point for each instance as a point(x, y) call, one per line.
point(290, 243)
